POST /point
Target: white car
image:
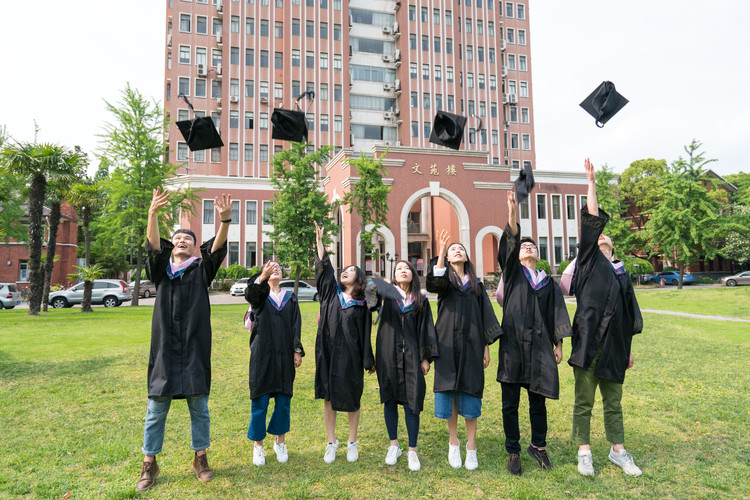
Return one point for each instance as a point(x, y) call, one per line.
point(238, 287)
point(10, 296)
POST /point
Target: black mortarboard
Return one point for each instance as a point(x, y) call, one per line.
point(448, 129)
point(289, 125)
point(604, 103)
point(524, 183)
point(200, 133)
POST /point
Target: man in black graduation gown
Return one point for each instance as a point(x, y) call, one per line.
point(607, 316)
point(179, 364)
point(535, 321)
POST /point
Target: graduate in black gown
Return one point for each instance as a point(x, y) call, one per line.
point(535, 320)
point(405, 345)
point(179, 364)
point(607, 316)
point(275, 326)
point(343, 348)
point(466, 325)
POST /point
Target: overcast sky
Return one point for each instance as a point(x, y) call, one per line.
point(683, 65)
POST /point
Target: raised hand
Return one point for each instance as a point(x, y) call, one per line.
point(159, 200)
point(268, 269)
point(590, 174)
point(224, 206)
point(444, 239)
point(512, 204)
point(318, 232)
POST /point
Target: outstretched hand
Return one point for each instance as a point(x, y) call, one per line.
point(512, 204)
point(444, 238)
point(318, 232)
point(159, 200)
point(268, 269)
point(224, 206)
point(590, 174)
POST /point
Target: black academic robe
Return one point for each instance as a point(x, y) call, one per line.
point(179, 363)
point(465, 324)
point(533, 322)
point(404, 339)
point(343, 348)
point(273, 339)
point(607, 313)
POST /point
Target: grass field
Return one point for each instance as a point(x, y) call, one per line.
point(73, 398)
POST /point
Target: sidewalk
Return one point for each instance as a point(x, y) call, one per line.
point(572, 300)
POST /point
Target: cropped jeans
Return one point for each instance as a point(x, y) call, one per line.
point(156, 419)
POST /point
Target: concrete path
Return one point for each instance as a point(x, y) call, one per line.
point(684, 314)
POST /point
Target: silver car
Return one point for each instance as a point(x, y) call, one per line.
point(110, 293)
point(736, 279)
point(146, 289)
point(304, 292)
point(10, 295)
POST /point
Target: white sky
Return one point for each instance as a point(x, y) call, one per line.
point(683, 65)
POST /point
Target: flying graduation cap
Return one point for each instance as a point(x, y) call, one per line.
point(448, 129)
point(289, 125)
point(524, 183)
point(603, 103)
point(200, 133)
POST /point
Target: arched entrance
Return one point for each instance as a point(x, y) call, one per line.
point(384, 243)
point(486, 243)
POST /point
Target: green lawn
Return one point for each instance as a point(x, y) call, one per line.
point(72, 389)
point(719, 301)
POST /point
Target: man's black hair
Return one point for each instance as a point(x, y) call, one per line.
point(186, 231)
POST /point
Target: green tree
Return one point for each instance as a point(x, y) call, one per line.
point(298, 202)
point(687, 225)
point(611, 201)
point(737, 242)
point(88, 274)
point(12, 198)
point(640, 189)
point(742, 182)
point(37, 163)
point(133, 146)
point(368, 198)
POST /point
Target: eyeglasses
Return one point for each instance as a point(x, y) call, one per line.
point(528, 245)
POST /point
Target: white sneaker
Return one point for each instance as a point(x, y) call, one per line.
point(413, 461)
point(330, 454)
point(625, 461)
point(454, 455)
point(352, 451)
point(281, 454)
point(392, 455)
point(585, 463)
point(471, 459)
point(259, 456)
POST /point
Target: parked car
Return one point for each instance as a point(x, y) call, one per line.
point(110, 293)
point(736, 279)
point(146, 289)
point(304, 292)
point(10, 295)
point(671, 278)
point(238, 287)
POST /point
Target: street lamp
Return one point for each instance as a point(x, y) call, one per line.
point(391, 260)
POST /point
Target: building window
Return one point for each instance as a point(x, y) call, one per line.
point(490, 25)
point(338, 93)
point(323, 92)
point(412, 70)
point(449, 46)
point(185, 23)
point(521, 37)
point(184, 86)
point(412, 13)
point(234, 155)
point(268, 248)
point(23, 270)
point(570, 207)
point(264, 153)
point(426, 100)
point(523, 208)
point(572, 248)
point(233, 254)
point(558, 249)
point(201, 25)
point(249, 153)
point(451, 103)
point(215, 155)
point(541, 206)
point(215, 57)
point(249, 88)
point(524, 115)
point(522, 63)
point(427, 128)
point(234, 24)
point(337, 62)
point(521, 10)
point(208, 211)
point(324, 123)
point(338, 123)
point(249, 25)
point(414, 99)
point(511, 61)
point(526, 141)
point(424, 14)
point(310, 29)
point(234, 55)
point(296, 58)
point(278, 91)
point(200, 87)
point(523, 89)
point(556, 212)
point(278, 29)
point(543, 247)
point(425, 72)
point(337, 32)
point(295, 27)
point(182, 151)
point(309, 59)
point(251, 212)
point(493, 109)
point(264, 27)
point(184, 54)
point(324, 31)
point(509, 9)
point(436, 16)
point(438, 73)
point(264, 121)
point(251, 255)
point(415, 129)
point(234, 122)
point(448, 18)
point(267, 206)
point(513, 141)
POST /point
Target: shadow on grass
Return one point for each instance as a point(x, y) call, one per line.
point(12, 371)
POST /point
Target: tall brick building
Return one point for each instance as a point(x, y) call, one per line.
point(379, 70)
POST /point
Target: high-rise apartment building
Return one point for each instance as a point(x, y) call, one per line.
point(378, 70)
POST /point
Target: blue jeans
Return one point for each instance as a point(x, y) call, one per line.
point(156, 418)
point(279, 423)
point(468, 406)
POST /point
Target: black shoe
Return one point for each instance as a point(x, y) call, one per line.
point(541, 457)
point(514, 464)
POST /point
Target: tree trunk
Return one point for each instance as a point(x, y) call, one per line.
point(49, 265)
point(37, 192)
point(86, 302)
point(296, 279)
point(86, 238)
point(137, 277)
point(682, 273)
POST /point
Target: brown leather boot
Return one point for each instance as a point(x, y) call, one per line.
point(200, 466)
point(149, 471)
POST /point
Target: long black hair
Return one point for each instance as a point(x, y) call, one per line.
point(468, 270)
point(360, 283)
point(414, 288)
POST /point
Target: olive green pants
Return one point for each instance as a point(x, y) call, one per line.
point(586, 383)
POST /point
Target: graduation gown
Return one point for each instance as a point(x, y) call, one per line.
point(465, 324)
point(179, 363)
point(275, 334)
point(607, 315)
point(534, 320)
point(404, 339)
point(343, 348)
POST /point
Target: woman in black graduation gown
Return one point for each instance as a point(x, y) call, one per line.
point(275, 326)
point(405, 345)
point(343, 348)
point(466, 326)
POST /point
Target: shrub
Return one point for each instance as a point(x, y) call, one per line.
point(644, 266)
point(543, 265)
point(221, 273)
point(563, 265)
point(236, 271)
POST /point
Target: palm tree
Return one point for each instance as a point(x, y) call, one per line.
point(87, 197)
point(37, 163)
point(88, 274)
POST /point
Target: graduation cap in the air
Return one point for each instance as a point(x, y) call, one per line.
point(448, 129)
point(524, 183)
point(200, 133)
point(604, 103)
point(289, 125)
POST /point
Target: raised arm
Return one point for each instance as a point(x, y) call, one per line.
point(158, 201)
point(592, 205)
point(224, 207)
point(512, 217)
point(319, 240)
point(443, 239)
